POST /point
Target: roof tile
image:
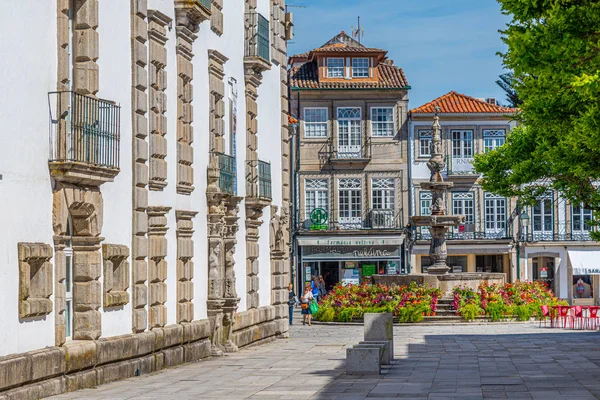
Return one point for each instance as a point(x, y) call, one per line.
point(457, 103)
point(306, 76)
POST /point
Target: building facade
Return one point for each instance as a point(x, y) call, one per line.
point(547, 242)
point(469, 126)
point(350, 162)
point(145, 187)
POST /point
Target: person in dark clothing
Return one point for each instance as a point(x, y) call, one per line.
point(322, 288)
point(291, 301)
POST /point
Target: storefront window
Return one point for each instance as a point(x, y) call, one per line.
point(582, 287)
point(457, 263)
point(543, 271)
point(491, 263)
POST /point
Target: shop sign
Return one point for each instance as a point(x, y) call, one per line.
point(350, 276)
point(350, 252)
point(368, 269)
point(318, 219)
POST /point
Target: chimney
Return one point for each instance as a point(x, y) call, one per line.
point(387, 61)
point(492, 101)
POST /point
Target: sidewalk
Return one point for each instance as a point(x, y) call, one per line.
point(433, 362)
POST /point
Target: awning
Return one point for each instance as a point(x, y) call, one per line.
point(351, 240)
point(585, 262)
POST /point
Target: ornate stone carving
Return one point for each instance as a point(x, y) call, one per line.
point(190, 14)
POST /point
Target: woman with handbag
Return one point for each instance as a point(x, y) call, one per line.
point(307, 297)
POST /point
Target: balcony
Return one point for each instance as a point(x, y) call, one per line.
point(257, 45)
point(423, 234)
point(84, 138)
point(227, 173)
point(190, 13)
point(562, 232)
point(374, 219)
point(345, 157)
point(259, 178)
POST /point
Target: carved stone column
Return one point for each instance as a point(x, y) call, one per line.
point(157, 266)
point(279, 267)
point(185, 266)
point(216, 223)
point(231, 299)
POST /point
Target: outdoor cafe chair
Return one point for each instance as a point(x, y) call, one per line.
point(546, 314)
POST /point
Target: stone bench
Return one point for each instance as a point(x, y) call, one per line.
point(363, 360)
point(385, 358)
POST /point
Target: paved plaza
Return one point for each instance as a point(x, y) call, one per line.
point(464, 361)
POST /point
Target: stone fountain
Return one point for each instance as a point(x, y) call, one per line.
point(438, 223)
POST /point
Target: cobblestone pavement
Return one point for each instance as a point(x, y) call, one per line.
point(507, 361)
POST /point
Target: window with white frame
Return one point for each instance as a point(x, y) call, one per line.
point(350, 202)
point(382, 121)
point(495, 213)
point(335, 67)
point(425, 143)
point(317, 195)
point(349, 132)
point(542, 216)
point(425, 203)
point(493, 138)
point(463, 203)
point(581, 218)
point(360, 67)
point(462, 144)
point(315, 122)
point(383, 193)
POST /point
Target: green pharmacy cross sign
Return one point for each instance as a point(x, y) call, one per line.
point(318, 219)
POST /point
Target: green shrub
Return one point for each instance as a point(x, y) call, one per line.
point(470, 311)
point(325, 314)
point(523, 312)
point(496, 310)
point(345, 315)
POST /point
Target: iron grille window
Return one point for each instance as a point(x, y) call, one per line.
point(360, 67)
point(84, 129)
point(264, 179)
point(315, 122)
point(317, 195)
point(493, 138)
point(425, 143)
point(258, 41)
point(382, 121)
point(335, 67)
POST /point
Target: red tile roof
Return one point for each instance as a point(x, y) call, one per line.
point(306, 76)
point(457, 103)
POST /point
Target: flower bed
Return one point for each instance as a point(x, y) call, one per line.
point(520, 300)
point(408, 303)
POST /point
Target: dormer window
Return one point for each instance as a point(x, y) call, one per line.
point(335, 67)
point(360, 67)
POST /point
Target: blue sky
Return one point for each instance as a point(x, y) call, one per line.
point(442, 45)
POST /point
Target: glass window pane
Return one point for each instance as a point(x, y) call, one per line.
point(335, 67)
point(360, 67)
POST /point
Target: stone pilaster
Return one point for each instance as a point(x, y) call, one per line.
point(185, 111)
point(216, 62)
point(35, 279)
point(157, 266)
point(87, 290)
point(280, 267)
point(116, 275)
point(85, 47)
point(60, 291)
point(139, 247)
point(216, 18)
point(185, 265)
point(254, 211)
point(157, 79)
point(63, 58)
point(278, 45)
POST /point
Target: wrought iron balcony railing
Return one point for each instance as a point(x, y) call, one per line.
point(373, 219)
point(423, 234)
point(257, 36)
point(379, 218)
point(259, 179)
point(227, 173)
point(331, 153)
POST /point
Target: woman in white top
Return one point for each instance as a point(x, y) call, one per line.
point(306, 298)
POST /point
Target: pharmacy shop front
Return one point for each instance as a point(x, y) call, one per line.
point(349, 260)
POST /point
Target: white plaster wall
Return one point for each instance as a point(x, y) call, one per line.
point(264, 259)
point(28, 70)
point(115, 84)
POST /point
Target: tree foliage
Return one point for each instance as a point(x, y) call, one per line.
point(554, 49)
point(507, 83)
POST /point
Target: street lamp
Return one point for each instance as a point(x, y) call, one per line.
point(525, 219)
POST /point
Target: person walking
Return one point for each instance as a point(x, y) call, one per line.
point(291, 301)
point(322, 287)
point(305, 303)
point(314, 285)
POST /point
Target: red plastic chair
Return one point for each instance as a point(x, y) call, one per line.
point(563, 313)
point(576, 317)
point(545, 315)
point(591, 320)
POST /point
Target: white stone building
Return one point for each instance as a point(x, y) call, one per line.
point(144, 186)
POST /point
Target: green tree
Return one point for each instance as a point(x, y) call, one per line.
point(554, 49)
point(506, 82)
